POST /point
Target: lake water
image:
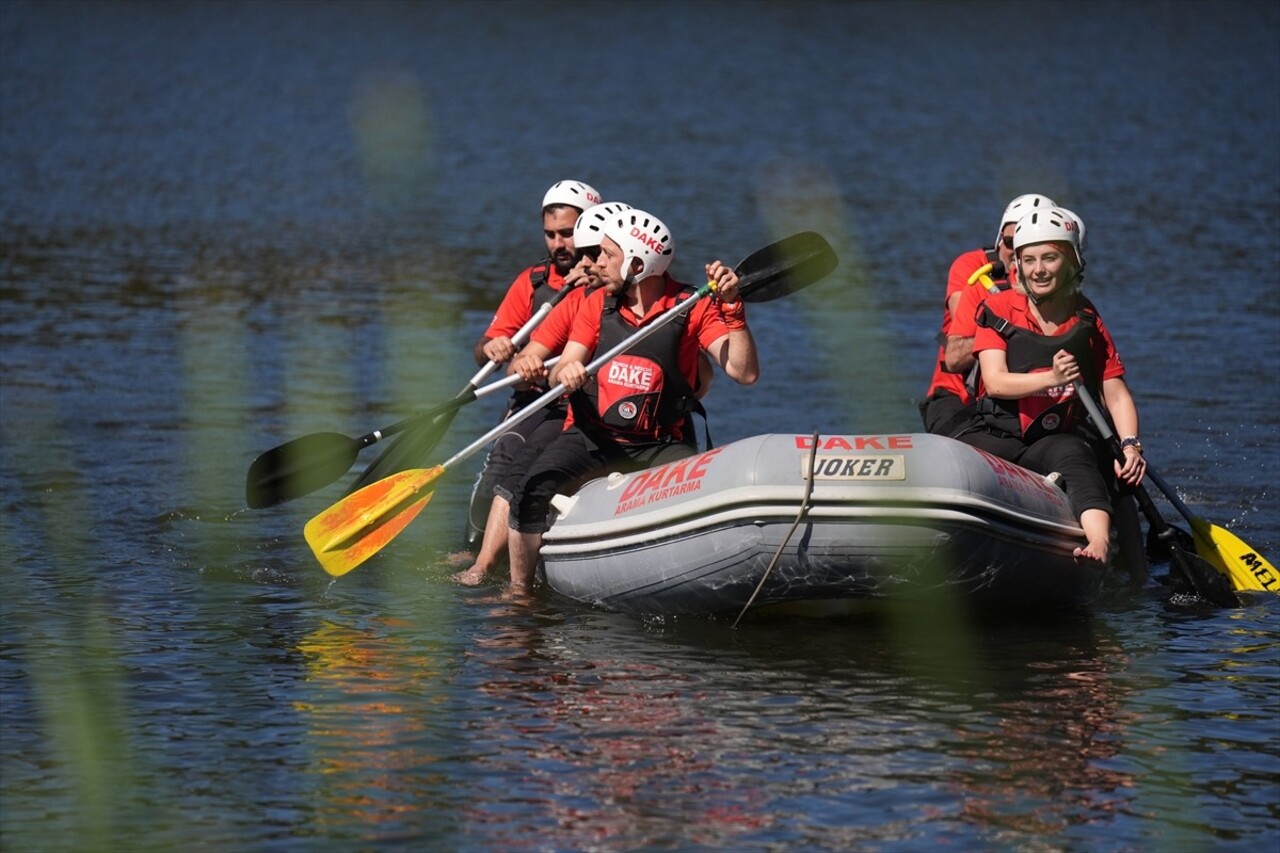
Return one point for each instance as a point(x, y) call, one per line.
point(224, 225)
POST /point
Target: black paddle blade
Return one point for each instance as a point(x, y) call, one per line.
point(407, 450)
point(1195, 570)
point(298, 468)
point(784, 267)
point(1208, 582)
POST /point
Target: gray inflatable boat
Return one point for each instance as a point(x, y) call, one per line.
point(884, 515)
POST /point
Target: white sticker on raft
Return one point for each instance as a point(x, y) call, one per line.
point(859, 467)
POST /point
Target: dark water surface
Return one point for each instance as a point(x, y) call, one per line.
point(224, 225)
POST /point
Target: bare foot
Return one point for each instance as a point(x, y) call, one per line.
point(460, 558)
point(518, 593)
point(471, 577)
point(1093, 551)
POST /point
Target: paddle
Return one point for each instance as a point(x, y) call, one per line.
point(1241, 563)
point(417, 442)
point(358, 526)
point(1204, 578)
point(305, 464)
point(312, 462)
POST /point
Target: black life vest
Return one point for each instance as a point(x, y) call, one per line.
point(1035, 416)
point(542, 293)
point(539, 273)
point(640, 395)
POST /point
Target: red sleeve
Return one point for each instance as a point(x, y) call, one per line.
point(515, 310)
point(706, 319)
point(961, 268)
point(965, 322)
point(553, 332)
point(586, 321)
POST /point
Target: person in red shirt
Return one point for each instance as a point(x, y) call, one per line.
point(947, 407)
point(562, 204)
point(1033, 345)
point(535, 286)
point(632, 413)
point(505, 470)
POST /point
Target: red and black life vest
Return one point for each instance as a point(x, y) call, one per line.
point(1036, 416)
point(640, 395)
point(542, 294)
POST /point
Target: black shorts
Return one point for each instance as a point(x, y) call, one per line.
point(575, 457)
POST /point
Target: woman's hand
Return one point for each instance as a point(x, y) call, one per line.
point(1065, 368)
point(1133, 468)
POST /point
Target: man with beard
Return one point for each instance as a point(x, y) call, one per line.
point(538, 284)
point(633, 412)
point(534, 287)
point(514, 450)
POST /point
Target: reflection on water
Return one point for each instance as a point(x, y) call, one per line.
point(574, 729)
point(227, 225)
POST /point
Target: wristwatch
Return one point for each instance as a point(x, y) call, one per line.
point(1130, 441)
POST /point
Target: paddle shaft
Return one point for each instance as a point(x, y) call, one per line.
point(524, 332)
point(423, 435)
point(469, 394)
point(1204, 578)
point(775, 271)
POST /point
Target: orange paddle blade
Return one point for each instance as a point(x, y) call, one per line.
point(361, 524)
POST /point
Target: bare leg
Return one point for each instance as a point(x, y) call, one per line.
point(1097, 529)
point(523, 549)
point(492, 546)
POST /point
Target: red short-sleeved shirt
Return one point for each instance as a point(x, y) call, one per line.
point(1013, 306)
point(517, 306)
point(703, 328)
point(958, 282)
point(553, 332)
point(962, 268)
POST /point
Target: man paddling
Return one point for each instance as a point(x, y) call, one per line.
point(633, 412)
point(535, 286)
point(505, 469)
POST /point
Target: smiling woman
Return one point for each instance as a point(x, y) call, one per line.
point(1034, 346)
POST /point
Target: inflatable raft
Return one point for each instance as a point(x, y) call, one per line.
point(884, 515)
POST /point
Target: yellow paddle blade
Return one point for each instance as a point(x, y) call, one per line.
point(1232, 556)
point(361, 524)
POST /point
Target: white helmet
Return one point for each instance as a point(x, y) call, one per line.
point(1052, 224)
point(573, 193)
point(589, 228)
point(1080, 226)
point(641, 235)
point(1020, 207)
